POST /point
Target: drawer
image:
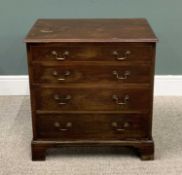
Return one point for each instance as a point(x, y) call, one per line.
point(84, 53)
point(92, 126)
point(79, 73)
point(92, 99)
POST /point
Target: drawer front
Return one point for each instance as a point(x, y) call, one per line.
point(92, 126)
point(92, 99)
point(92, 53)
point(91, 73)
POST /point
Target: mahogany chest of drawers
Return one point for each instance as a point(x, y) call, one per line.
point(91, 84)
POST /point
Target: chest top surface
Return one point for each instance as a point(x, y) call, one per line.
point(91, 30)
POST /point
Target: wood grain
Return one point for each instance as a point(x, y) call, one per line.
point(85, 52)
point(93, 126)
point(76, 99)
point(85, 73)
point(95, 99)
point(91, 30)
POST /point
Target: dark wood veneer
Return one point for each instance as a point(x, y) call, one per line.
point(86, 52)
point(91, 84)
point(91, 99)
point(91, 72)
point(92, 126)
point(92, 30)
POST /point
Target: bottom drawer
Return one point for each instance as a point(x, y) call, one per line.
point(92, 126)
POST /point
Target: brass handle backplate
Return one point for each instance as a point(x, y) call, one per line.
point(118, 101)
point(120, 127)
point(60, 57)
point(64, 127)
point(120, 58)
point(62, 100)
point(63, 77)
point(121, 77)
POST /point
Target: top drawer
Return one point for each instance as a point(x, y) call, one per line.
point(91, 53)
